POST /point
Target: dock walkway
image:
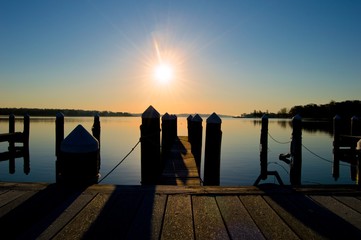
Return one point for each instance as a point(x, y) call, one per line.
point(48, 211)
point(180, 166)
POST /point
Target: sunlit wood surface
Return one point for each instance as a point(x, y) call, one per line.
point(48, 211)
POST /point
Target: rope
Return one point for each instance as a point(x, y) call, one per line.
point(277, 140)
point(120, 162)
point(322, 158)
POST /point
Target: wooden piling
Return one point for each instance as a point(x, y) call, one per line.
point(189, 127)
point(264, 147)
point(355, 126)
point(196, 140)
point(166, 134)
point(212, 155)
point(96, 128)
point(59, 131)
point(296, 151)
point(336, 147)
point(26, 131)
point(150, 146)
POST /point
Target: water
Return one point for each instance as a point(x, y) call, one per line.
point(239, 155)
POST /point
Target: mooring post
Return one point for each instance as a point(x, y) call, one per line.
point(11, 130)
point(166, 133)
point(59, 131)
point(174, 126)
point(358, 154)
point(196, 140)
point(336, 146)
point(296, 151)
point(26, 131)
point(264, 147)
point(96, 128)
point(189, 127)
point(355, 126)
point(212, 155)
point(150, 146)
point(78, 158)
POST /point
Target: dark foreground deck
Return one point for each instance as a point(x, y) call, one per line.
point(43, 211)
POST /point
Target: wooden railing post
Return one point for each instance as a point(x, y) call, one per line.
point(59, 131)
point(264, 147)
point(150, 146)
point(212, 155)
point(296, 151)
point(355, 126)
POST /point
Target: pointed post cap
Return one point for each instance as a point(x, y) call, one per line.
point(150, 112)
point(214, 119)
point(166, 116)
point(79, 141)
point(190, 117)
point(197, 118)
point(59, 114)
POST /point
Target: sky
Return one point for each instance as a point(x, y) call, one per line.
point(228, 57)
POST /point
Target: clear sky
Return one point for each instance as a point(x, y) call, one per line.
point(228, 57)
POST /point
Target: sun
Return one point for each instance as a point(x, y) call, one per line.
point(163, 73)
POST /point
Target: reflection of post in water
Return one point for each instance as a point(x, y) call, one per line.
point(15, 151)
point(264, 154)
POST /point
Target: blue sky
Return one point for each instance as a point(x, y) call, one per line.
point(228, 57)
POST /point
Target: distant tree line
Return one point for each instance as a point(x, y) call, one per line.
point(345, 109)
point(66, 112)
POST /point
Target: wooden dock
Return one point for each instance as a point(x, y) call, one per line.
point(180, 165)
point(48, 211)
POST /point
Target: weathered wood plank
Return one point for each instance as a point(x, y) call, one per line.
point(178, 221)
point(238, 221)
point(149, 219)
point(9, 196)
point(340, 209)
point(32, 210)
point(5, 209)
point(270, 224)
point(83, 221)
point(291, 214)
point(51, 224)
point(207, 219)
point(116, 217)
point(351, 202)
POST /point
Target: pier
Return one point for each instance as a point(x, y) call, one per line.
point(48, 211)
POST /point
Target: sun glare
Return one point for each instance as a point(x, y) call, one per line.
point(163, 73)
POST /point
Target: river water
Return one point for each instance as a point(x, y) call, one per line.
point(240, 163)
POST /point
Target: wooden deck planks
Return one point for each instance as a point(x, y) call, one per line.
point(239, 223)
point(178, 220)
point(173, 212)
point(208, 221)
point(180, 166)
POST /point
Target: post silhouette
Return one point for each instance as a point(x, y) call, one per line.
point(196, 140)
point(264, 147)
point(189, 127)
point(150, 146)
point(59, 131)
point(336, 147)
point(212, 155)
point(296, 151)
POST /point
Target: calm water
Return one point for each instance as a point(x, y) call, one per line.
point(239, 159)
